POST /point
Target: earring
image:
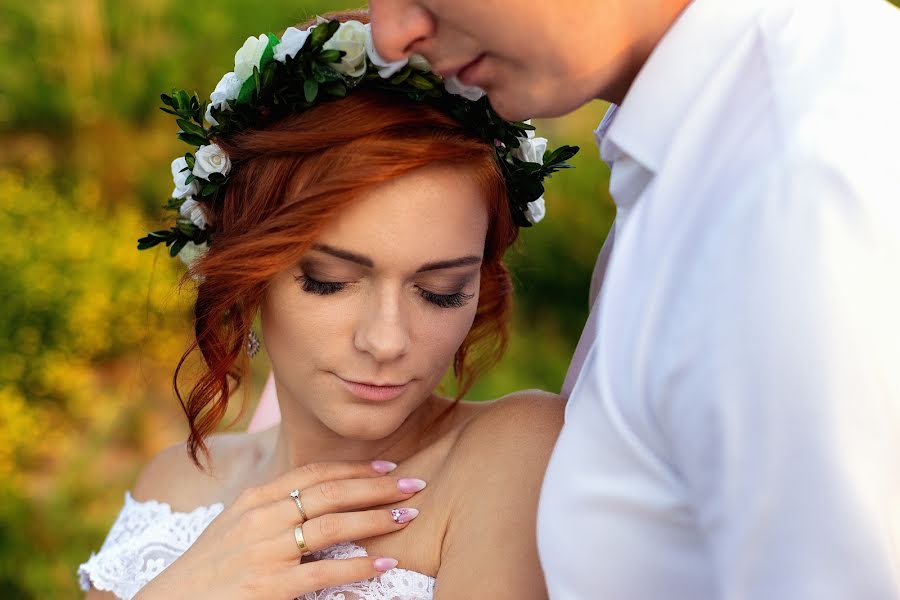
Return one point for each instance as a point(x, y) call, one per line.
point(252, 344)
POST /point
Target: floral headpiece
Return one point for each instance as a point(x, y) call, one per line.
point(273, 78)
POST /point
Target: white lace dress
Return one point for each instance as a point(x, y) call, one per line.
point(149, 536)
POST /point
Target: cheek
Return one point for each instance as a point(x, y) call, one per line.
point(443, 333)
point(298, 330)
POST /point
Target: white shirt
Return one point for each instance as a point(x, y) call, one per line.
point(735, 429)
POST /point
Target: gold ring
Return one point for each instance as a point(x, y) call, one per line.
point(295, 494)
point(301, 544)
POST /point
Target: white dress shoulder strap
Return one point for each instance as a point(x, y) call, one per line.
point(145, 539)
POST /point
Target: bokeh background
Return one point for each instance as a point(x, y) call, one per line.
point(90, 329)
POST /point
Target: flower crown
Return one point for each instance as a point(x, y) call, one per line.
point(273, 78)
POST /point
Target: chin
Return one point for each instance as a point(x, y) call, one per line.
point(366, 427)
point(519, 104)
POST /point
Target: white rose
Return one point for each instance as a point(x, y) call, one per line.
point(227, 89)
point(193, 211)
point(350, 37)
point(418, 62)
point(180, 172)
point(290, 44)
point(249, 56)
point(386, 69)
point(456, 87)
point(211, 159)
point(535, 211)
point(531, 149)
point(191, 252)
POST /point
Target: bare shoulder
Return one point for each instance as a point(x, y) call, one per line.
point(497, 466)
point(527, 421)
point(172, 477)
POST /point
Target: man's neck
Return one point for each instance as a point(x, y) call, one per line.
point(647, 34)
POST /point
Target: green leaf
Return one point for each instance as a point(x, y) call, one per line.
point(192, 139)
point(186, 227)
point(245, 96)
point(268, 75)
point(523, 125)
point(189, 127)
point(184, 101)
point(321, 33)
point(331, 56)
point(153, 238)
point(190, 160)
point(268, 54)
point(336, 89)
point(560, 155)
point(174, 203)
point(177, 246)
point(217, 178)
point(310, 89)
point(401, 76)
point(419, 82)
point(168, 100)
point(209, 189)
point(256, 83)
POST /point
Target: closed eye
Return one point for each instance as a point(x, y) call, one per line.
point(456, 300)
point(322, 288)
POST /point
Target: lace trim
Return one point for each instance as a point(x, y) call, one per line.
point(148, 536)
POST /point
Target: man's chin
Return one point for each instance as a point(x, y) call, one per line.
point(511, 109)
point(519, 105)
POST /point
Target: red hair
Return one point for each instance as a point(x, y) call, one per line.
point(289, 181)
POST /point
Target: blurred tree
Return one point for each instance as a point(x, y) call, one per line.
point(90, 330)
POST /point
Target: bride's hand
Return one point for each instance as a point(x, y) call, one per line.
point(249, 551)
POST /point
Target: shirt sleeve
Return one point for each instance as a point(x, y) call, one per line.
point(780, 395)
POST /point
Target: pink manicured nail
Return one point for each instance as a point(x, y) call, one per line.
point(411, 486)
point(383, 466)
point(403, 515)
point(384, 564)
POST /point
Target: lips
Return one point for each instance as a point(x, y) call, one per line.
point(459, 69)
point(372, 391)
point(466, 73)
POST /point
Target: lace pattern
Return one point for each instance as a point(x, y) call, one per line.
point(149, 536)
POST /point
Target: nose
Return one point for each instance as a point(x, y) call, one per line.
point(383, 332)
point(399, 27)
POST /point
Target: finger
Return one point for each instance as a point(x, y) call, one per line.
point(314, 576)
point(267, 520)
point(341, 495)
point(334, 528)
point(312, 474)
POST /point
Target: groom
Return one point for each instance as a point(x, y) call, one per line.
point(734, 426)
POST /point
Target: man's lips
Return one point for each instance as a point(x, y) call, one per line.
point(465, 74)
point(458, 69)
point(377, 392)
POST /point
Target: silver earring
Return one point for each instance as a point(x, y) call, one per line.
point(252, 344)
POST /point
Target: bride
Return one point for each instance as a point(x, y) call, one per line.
point(362, 209)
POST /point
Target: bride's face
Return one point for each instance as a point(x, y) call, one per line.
point(361, 331)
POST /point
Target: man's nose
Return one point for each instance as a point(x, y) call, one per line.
point(399, 26)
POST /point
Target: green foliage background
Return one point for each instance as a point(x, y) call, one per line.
point(90, 330)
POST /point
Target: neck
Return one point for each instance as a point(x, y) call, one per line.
point(300, 439)
point(647, 35)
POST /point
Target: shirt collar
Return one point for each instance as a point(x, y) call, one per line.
point(674, 75)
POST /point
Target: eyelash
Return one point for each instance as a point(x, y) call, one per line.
point(327, 288)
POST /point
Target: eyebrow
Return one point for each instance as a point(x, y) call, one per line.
point(367, 262)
